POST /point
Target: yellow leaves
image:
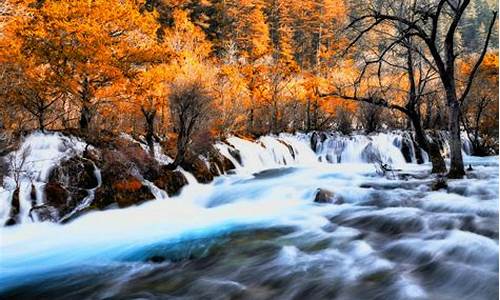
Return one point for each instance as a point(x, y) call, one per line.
point(185, 39)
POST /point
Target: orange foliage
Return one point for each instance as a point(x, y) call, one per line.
point(127, 185)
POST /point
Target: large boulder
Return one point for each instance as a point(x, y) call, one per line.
point(122, 192)
point(121, 181)
point(75, 173)
point(67, 187)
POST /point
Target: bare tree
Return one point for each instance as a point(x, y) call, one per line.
point(434, 23)
point(472, 121)
point(403, 59)
point(190, 108)
point(370, 116)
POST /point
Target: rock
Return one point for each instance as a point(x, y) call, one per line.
point(273, 173)
point(370, 154)
point(156, 259)
point(235, 153)
point(290, 148)
point(10, 222)
point(219, 164)
point(170, 181)
point(316, 139)
point(56, 195)
point(68, 184)
point(124, 192)
point(326, 196)
point(198, 168)
point(33, 195)
point(80, 172)
point(14, 209)
point(406, 149)
point(44, 213)
point(438, 184)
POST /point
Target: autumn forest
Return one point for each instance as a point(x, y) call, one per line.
point(249, 149)
point(251, 67)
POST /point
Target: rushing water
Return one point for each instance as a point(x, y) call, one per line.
point(257, 234)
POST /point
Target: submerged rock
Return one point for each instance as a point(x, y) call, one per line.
point(326, 196)
point(439, 184)
point(273, 173)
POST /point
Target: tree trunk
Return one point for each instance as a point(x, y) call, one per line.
point(308, 115)
point(438, 164)
point(149, 117)
point(456, 160)
point(86, 111)
point(85, 118)
point(41, 120)
point(182, 142)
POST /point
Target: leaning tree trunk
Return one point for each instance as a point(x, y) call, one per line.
point(456, 160)
point(438, 164)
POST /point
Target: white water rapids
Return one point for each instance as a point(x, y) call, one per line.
point(257, 234)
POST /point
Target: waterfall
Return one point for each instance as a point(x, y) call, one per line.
point(41, 152)
point(396, 238)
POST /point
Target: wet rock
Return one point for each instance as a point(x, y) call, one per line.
point(68, 184)
point(273, 173)
point(56, 195)
point(196, 166)
point(79, 172)
point(124, 192)
point(156, 259)
point(406, 149)
point(288, 146)
point(44, 213)
point(235, 153)
point(317, 139)
point(170, 181)
point(33, 195)
point(219, 164)
point(326, 196)
point(14, 209)
point(386, 224)
point(10, 222)
point(439, 184)
point(370, 154)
